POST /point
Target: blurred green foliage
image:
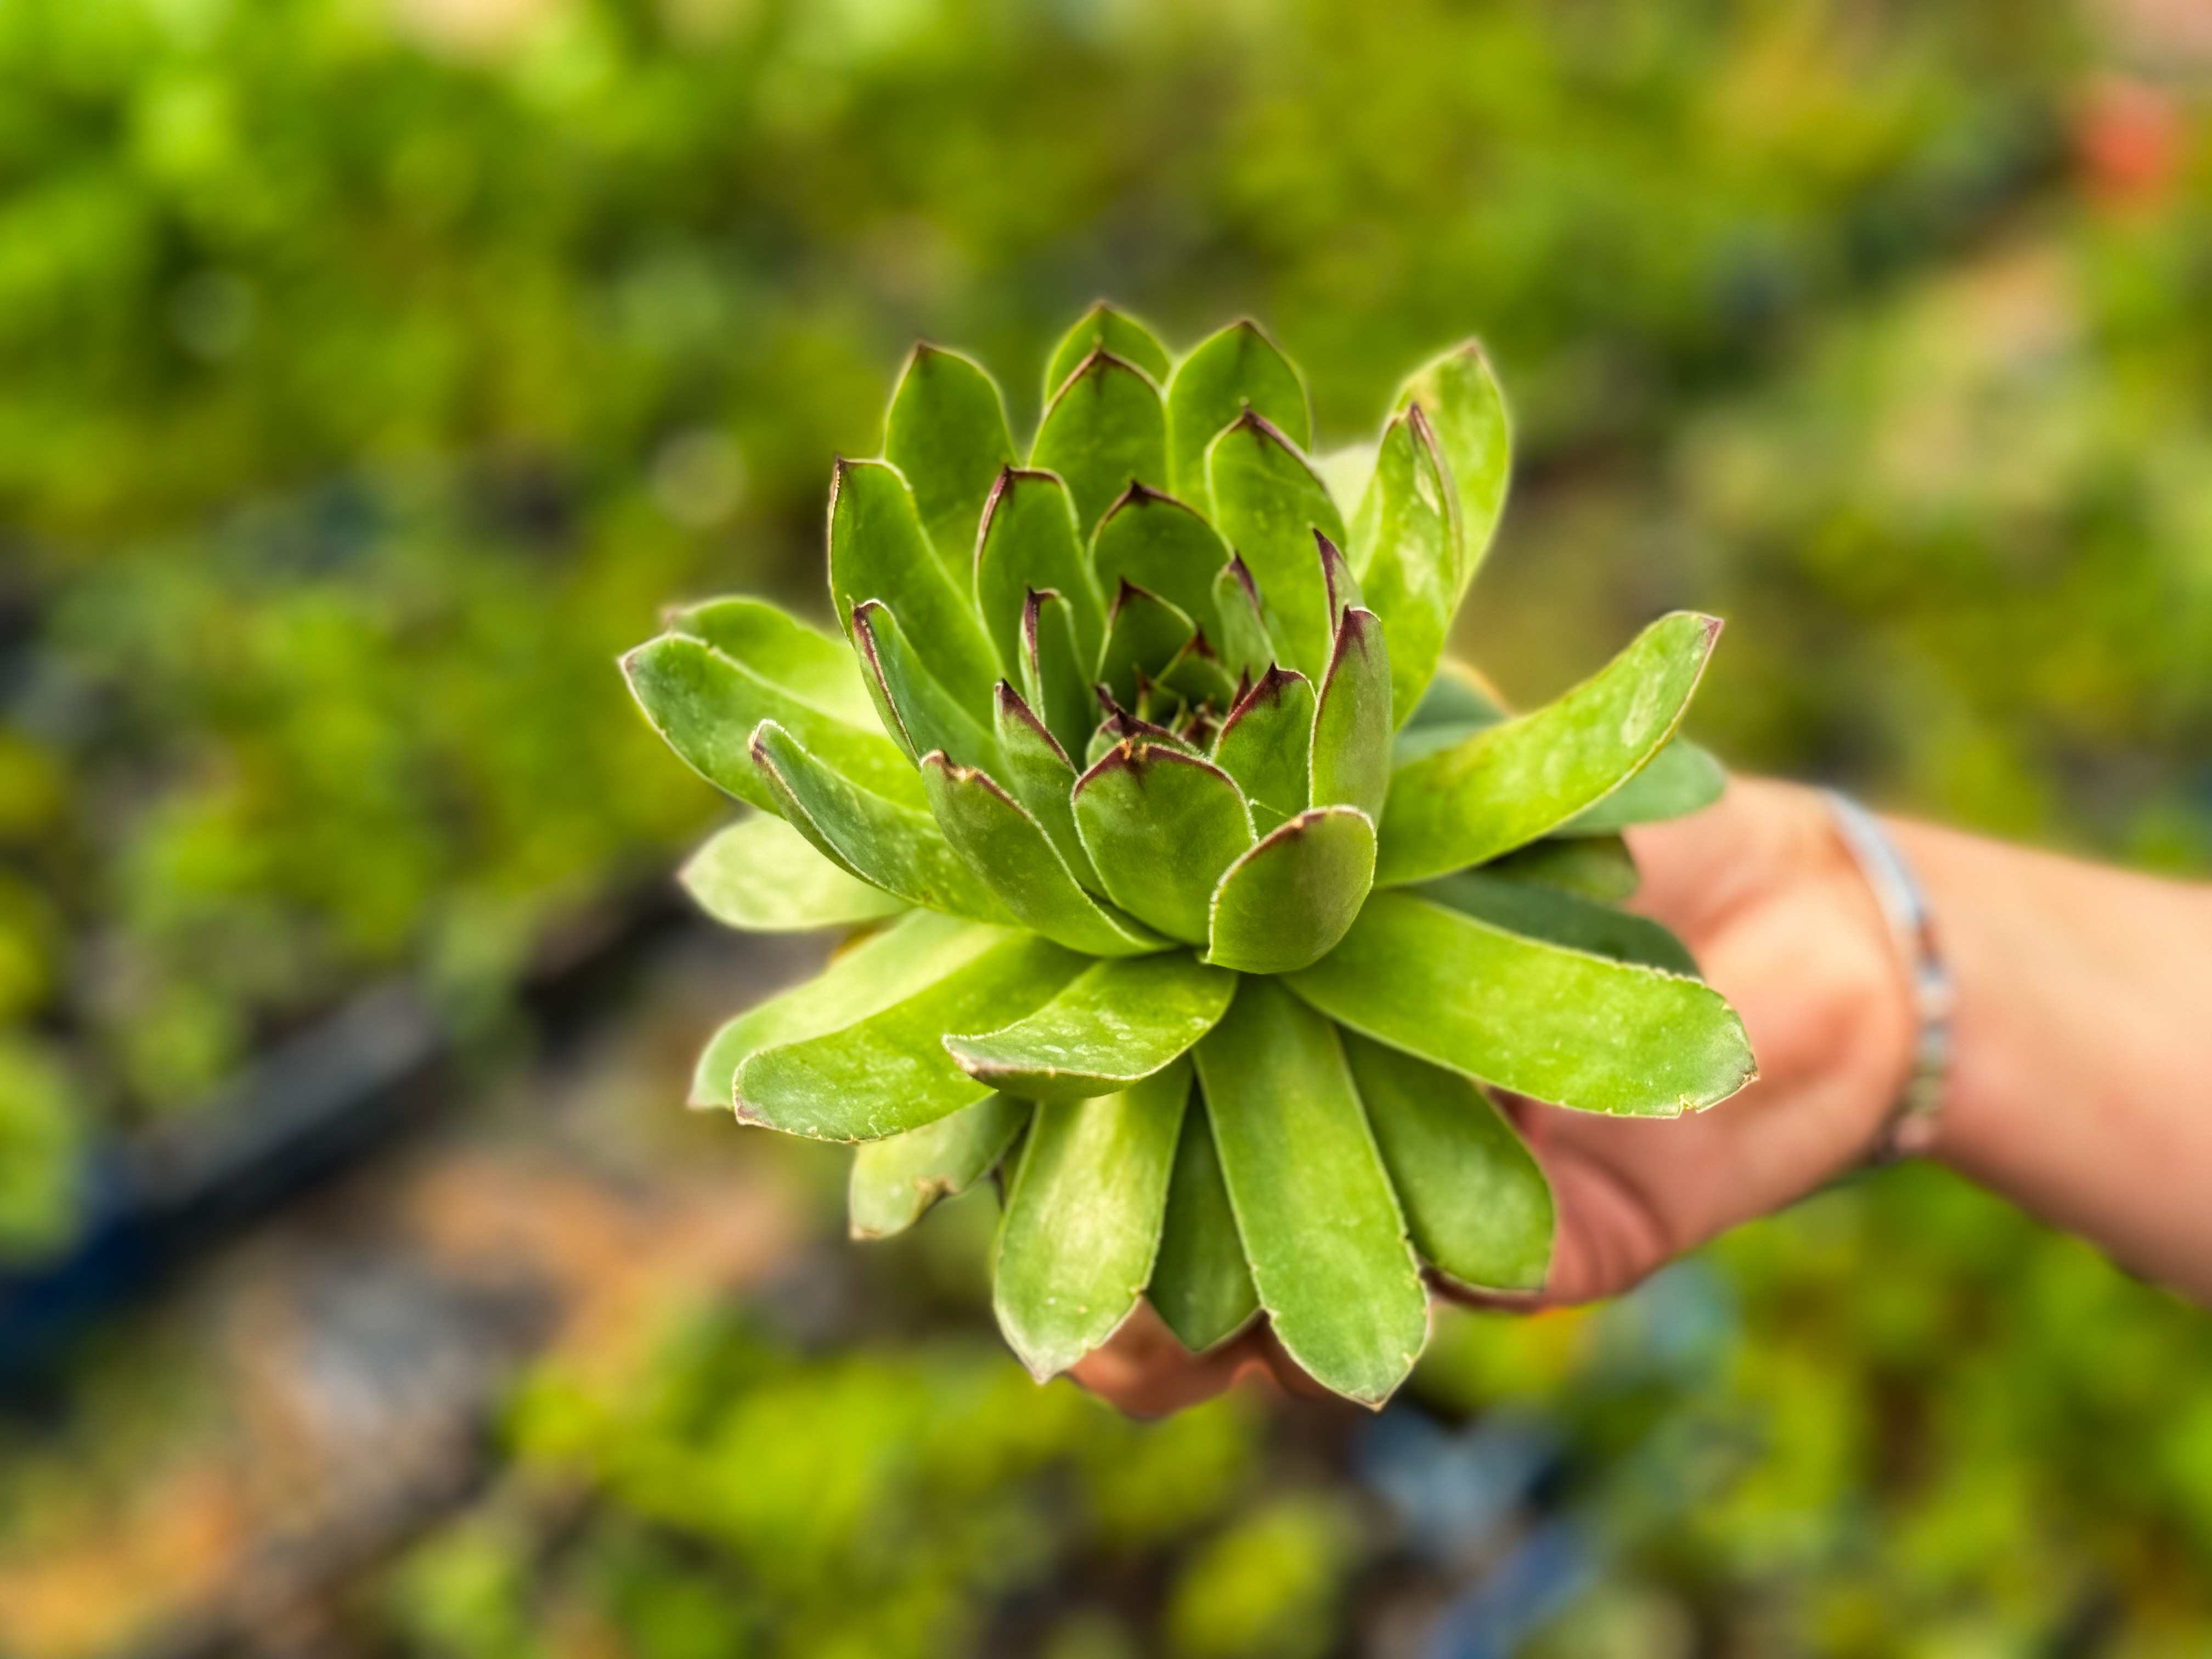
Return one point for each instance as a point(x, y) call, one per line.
point(370, 370)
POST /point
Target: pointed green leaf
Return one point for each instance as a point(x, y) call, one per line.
point(1337, 580)
point(1120, 726)
point(889, 1072)
point(1104, 428)
point(896, 1179)
point(1682, 779)
point(1269, 501)
point(1476, 1203)
point(1557, 1025)
point(1155, 543)
point(1198, 676)
point(1161, 827)
point(1314, 1208)
point(817, 670)
point(1285, 903)
point(1251, 632)
point(879, 551)
point(1012, 854)
point(1509, 784)
point(1083, 1220)
point(1055, 672)
point(1406, 548)
point(1536, 911)
point(1351, 721)
point(895, 847)
point(1267, 746)
point(915, 951)
point(707, 706)
point(1116, 1024)
point(762, 875)
point(1029, 541)
point(1104, 328)
point(1201, 1286)
point(1591, 866)
point(1461, 397)
point(1144, 635)
point(1226, 373)
point(947, 432)
point(1043, 778)
point(918, 713)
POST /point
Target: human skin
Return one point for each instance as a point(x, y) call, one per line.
point(2081, 1087)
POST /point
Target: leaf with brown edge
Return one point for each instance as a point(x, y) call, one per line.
point(879, 551)
point(1268, 500)
point(1406, 540)
point(919, 713)
point(1104, 428)
point(1109, 328)
point(1229, 372)
point(1055, 674)
point(1251, 632)
point(895, 847)
point(1162, 826)
point(1351, 719)
point(1043, 778)
point(1267, 746)
point(1144, 635)
point(947, 432)
point(1009, 852)
point(1028, 542)
point(1154, 542)
point(1285, 904)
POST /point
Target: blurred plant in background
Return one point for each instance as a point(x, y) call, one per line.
point(370, 370)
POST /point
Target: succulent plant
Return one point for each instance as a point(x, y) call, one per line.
point(1192, 890)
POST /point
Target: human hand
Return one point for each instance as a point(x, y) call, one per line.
point(1783, 924)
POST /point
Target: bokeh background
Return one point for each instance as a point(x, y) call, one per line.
point(372, 371)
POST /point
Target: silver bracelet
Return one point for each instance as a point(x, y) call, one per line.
point(1910, 1129)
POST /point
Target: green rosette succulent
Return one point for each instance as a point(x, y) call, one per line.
point(1190, 886)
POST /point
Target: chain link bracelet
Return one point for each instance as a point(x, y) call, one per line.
point(1910, 1129)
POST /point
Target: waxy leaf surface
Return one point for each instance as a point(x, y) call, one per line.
point(919, 949)
point(1009, 852)
point(1103, 429)
point(919, 713)
point(764, 876)
point(1162, 827)
point(1478, 1206)
point(1144, 635)
point(1285, 903)
point(1117, 1024)
point(1682, 779)
point(1201, 1286)
point(1314, 1208)
point(1028, 540)
point(1055, 673)
point(1508, 784)
point(1406, 549)
point(1352, 722)
point(947, 432)
point(1251, 638)
point(1269, 501)
point(896, 1179)
point(1557, 1025)
point(707, 706)
point(889, 1072)
point(1155, 543)
point(814, 668)
point(1267, 746)
point(1590, 866)
point(1105, 327)
point(897, 848)
point(1535, 911)
point(1226, 373)
point(1083, 1220)
point(1043, 778)
point(1460, 396)
point(879, 551)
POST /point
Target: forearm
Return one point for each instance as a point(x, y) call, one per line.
point(2082, 1083)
